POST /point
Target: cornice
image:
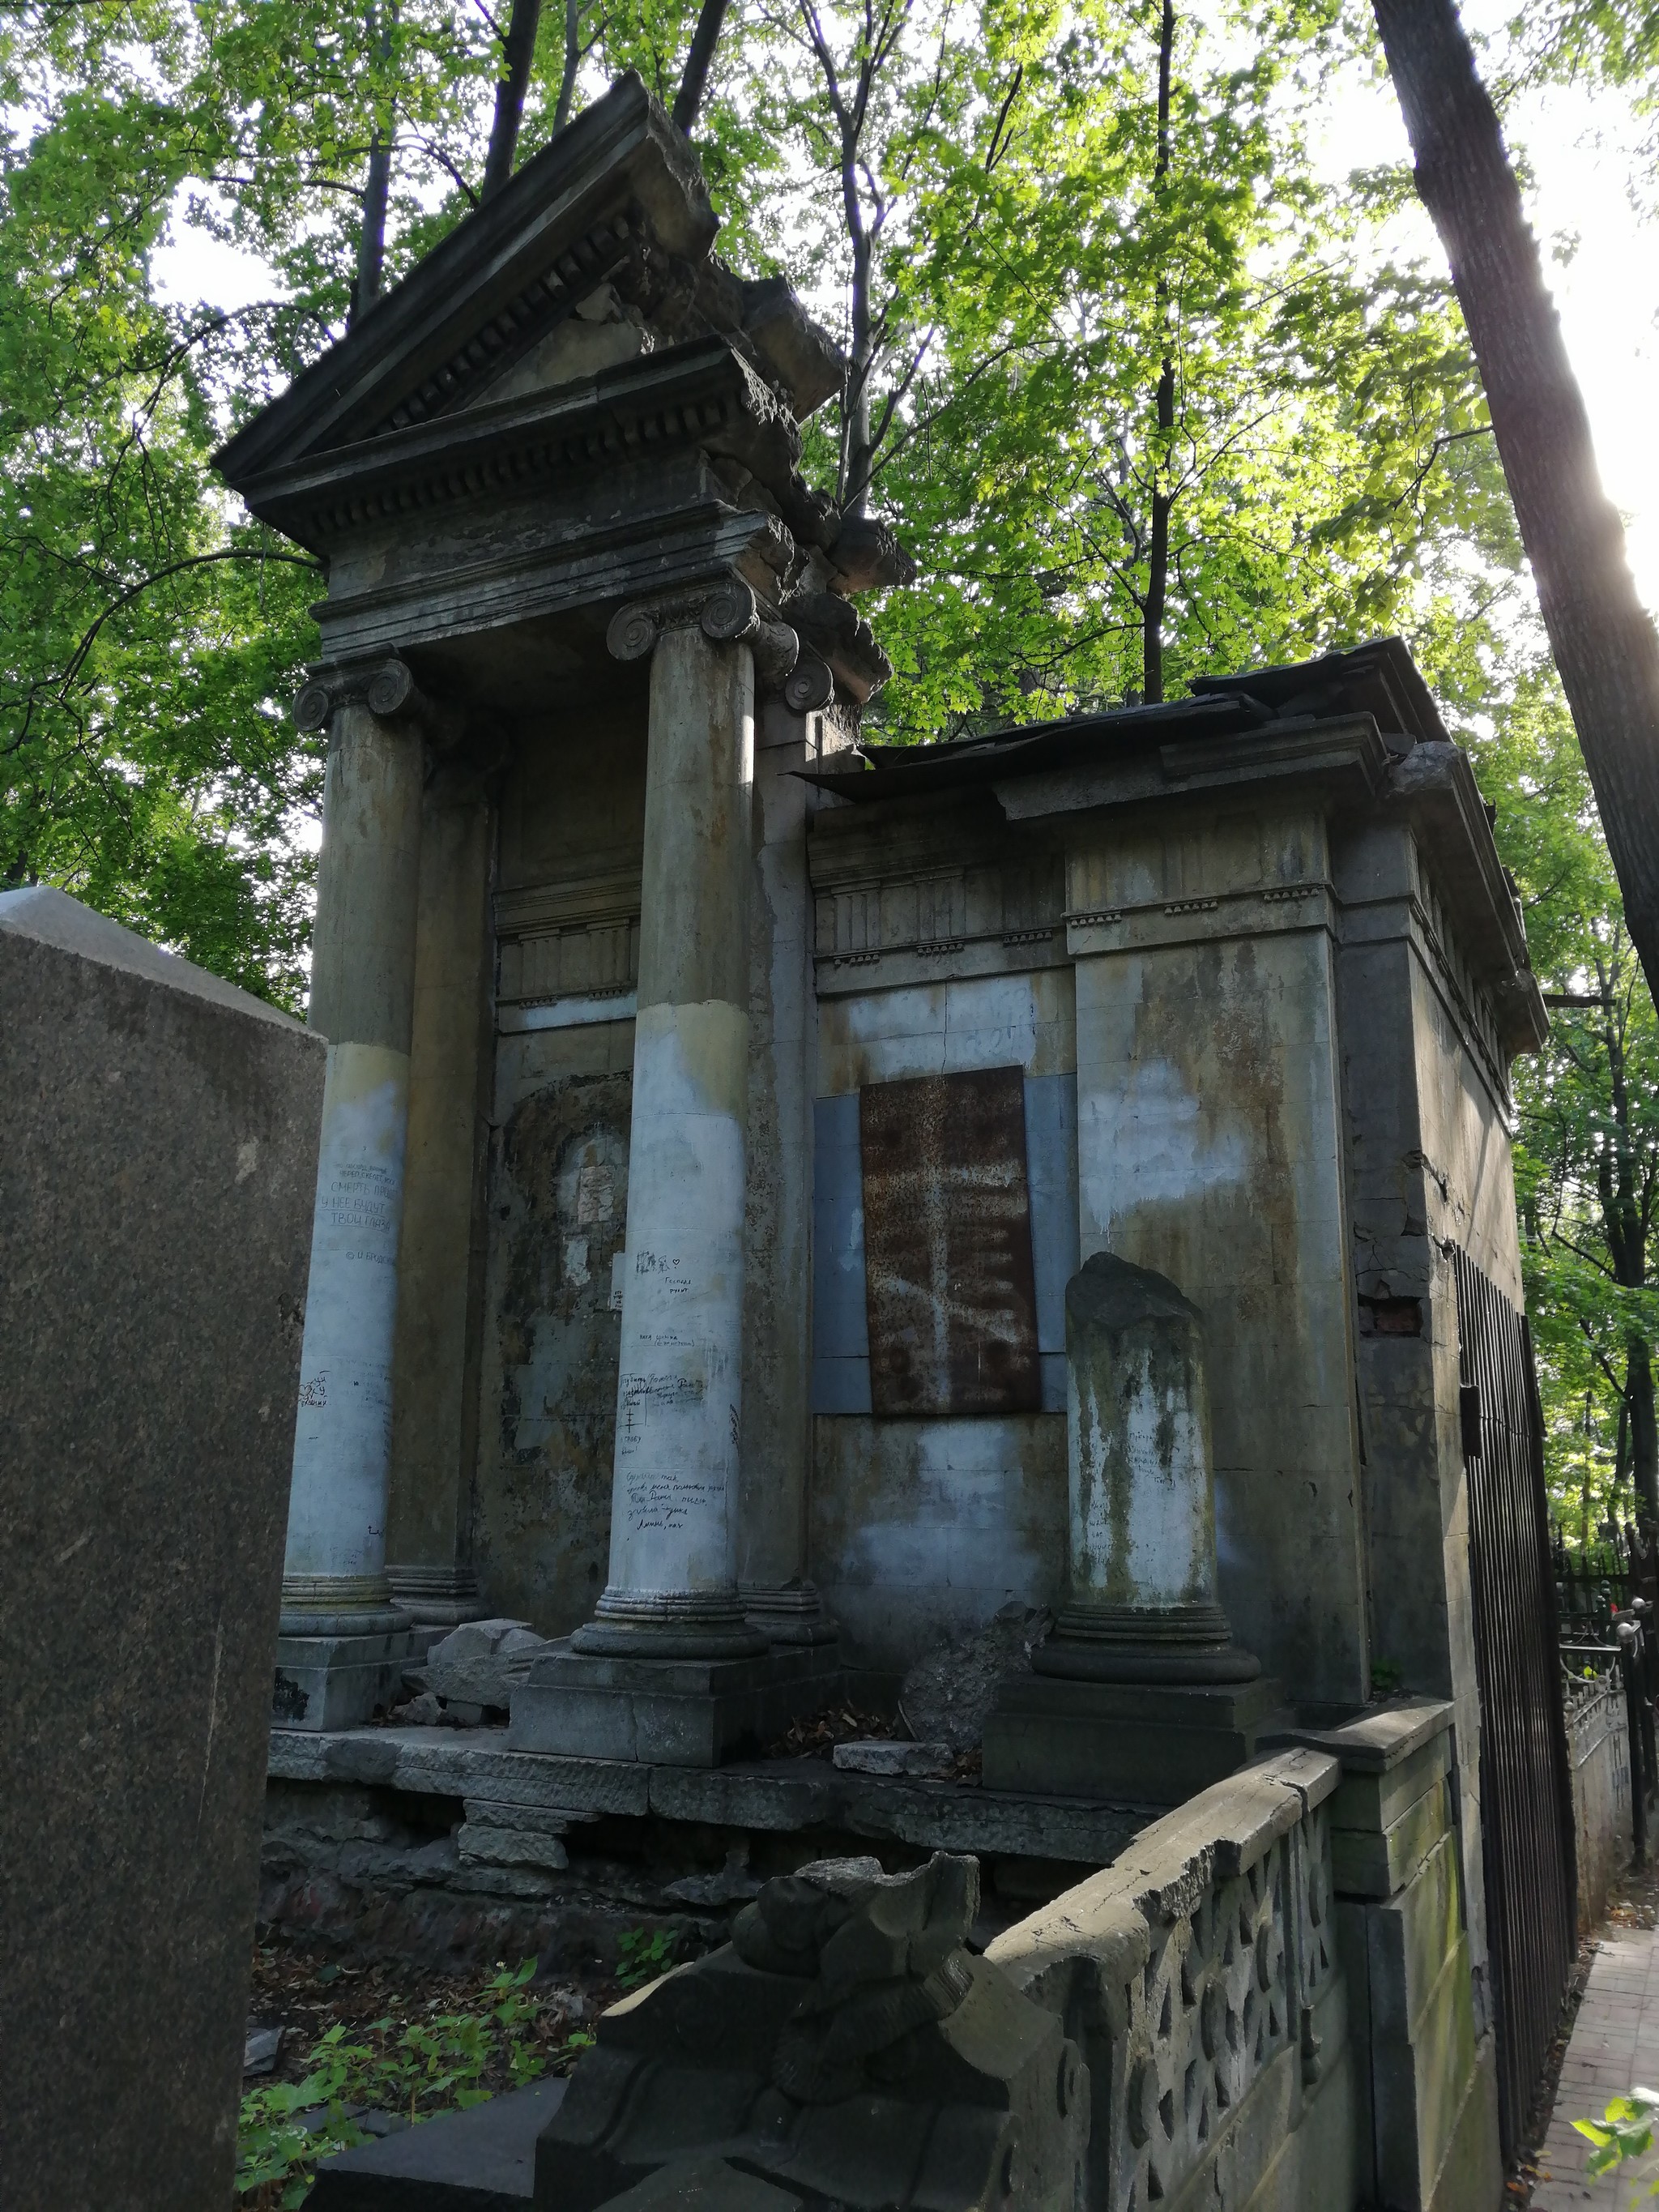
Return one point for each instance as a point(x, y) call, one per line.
point(702, 395)
point(503, 265)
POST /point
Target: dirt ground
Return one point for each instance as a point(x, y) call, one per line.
point(300, 1987)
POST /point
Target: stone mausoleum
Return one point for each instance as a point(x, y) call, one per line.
point(720, 1117)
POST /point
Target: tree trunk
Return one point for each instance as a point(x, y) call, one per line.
point(1643, 1429)
point(377, 189)
point(689, 99)
point(518, 53)
point(1157, 543)
point(1604, 642)
point(1151, 607)
point(572, 55)
point(855, 491)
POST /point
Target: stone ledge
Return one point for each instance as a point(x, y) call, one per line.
point(776, 1795)
point(1375, 1738)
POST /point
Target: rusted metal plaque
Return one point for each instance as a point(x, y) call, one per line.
point(947, 1245)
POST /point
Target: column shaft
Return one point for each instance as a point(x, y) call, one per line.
point(362, 992)
point(435, 1383)
point(673, 1571)
point(777, 1421)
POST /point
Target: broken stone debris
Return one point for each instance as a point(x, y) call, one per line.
point(263, 2048)
point(948, 1695)
point(477, 1668)
point(845, 2045)
point(878, 1756)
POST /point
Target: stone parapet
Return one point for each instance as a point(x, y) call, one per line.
point(1427, 2123)
point(1202, 1973)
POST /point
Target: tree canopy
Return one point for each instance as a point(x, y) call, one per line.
point(1143, 392)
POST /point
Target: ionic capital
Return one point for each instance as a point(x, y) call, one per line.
point(726, 611)
point(387, 687)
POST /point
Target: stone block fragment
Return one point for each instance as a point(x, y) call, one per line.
point(876, 1756)
point(844, 2048)
point(476, 1668)
point(156, 1179)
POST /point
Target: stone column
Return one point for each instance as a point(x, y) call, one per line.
point(341, 1640)
point(1140, 1605)
point(1140, 1689)
point(436, 1369)
point(777, 1427)
point(673, 1590)
point(669, 1669)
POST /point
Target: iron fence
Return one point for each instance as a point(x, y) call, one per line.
point(1526, 1787)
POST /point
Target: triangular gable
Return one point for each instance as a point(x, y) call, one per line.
point(501, 280)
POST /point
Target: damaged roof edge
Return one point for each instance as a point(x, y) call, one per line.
point(586, 166)
point(1281, 720)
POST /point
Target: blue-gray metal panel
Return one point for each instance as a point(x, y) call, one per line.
point(1052, 1365)
point(840, 1325)
point(841, 1386)
point(1051, 1176)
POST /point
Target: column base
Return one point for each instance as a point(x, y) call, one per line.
point(336, 1679)
point(1144, 1644)
point(787, 1613)
point(436, 1600)
point(662, 1711)
point(659, 1624)
point(1144, 1742)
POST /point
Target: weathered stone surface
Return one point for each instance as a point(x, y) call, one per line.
point(477, 1666)
point(1140, 1600)
point(1201, 1961)
point(948, 1696)
point(879, 1756)
point(776, 1796)
point(483, 2160)
point(1389, 1757)
point(1150, 1743)
point(704, 2185)
point(845, 2045)
point(666, 1712)
point(332, 1681)
point(156, 1190)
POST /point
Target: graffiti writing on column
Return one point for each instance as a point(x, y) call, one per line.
point(675, 1433)
point(947, 1245)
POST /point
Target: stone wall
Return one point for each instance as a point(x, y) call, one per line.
point(922, 1529)
point(565, 912)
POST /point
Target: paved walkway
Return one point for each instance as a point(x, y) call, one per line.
point(1615, 2043)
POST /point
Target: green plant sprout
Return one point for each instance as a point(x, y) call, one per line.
point(435, 2066)
point(642, 1956)
point(1623, 2133)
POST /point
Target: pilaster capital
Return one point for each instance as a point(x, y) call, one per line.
point(385, 686)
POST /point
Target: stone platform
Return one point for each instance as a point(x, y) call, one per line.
point(775, 1795)
point(444, 1843)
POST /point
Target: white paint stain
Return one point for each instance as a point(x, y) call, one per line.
point(1139, 1492)
point(247, 1159)
point(1142, 1137)
point(980, 1021)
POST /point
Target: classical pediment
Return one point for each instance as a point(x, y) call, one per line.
point(596, 255)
